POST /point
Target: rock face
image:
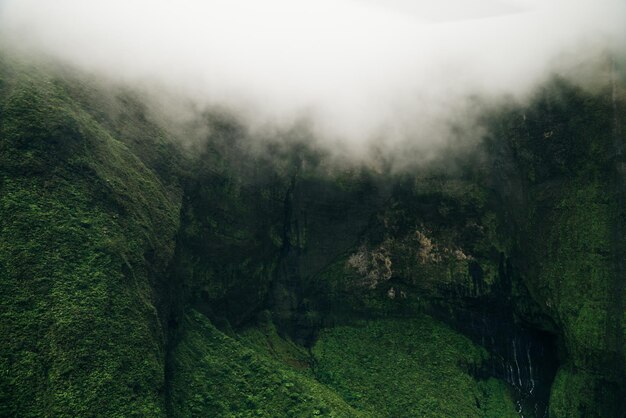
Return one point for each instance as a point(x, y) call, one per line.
point(142, 278)
point(570, 251)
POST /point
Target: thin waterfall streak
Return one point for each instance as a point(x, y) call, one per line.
point(530, 369)
point(519, 374)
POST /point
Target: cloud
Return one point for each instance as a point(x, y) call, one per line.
point(358, 69)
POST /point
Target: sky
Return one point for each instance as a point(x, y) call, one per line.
point(359, 70)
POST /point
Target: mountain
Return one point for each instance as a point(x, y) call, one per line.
point(147, 270)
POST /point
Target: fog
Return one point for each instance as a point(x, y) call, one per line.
point(359, 71)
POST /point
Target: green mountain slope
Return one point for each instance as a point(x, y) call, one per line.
point(86, 233)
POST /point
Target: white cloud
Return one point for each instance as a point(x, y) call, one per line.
point(359, 67)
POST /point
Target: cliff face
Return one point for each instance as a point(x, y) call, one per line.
point(139, 278)
point(570, 249)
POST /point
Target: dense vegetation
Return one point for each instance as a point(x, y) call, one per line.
point(140, 277)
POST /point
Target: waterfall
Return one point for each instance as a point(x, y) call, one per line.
point(522, 357)
point(519, 374)
point(530, 369)
point(525, 360)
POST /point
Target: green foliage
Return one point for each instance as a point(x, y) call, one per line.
point(381, 368)
point(406, 368)
point(85, 231)
point(217, 376)
point(496, 399)
point(572, 395)
point(574, 279)
point(264, 338)
point(564, 143)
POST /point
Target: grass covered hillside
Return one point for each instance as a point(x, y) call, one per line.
point(86, 232)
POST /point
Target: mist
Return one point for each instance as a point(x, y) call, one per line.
point(360, 72)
